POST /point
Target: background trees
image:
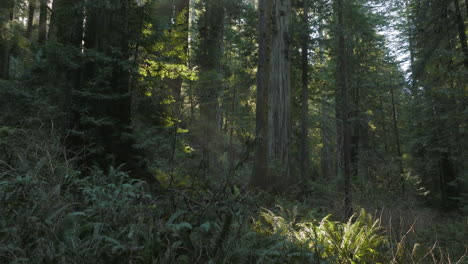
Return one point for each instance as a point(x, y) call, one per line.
point(222, 105)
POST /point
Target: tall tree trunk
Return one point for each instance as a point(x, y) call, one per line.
point(6, 11)
point(354, 120)
point(342, 80)
point(181, 30)
point(31, 11)
point(327, 153)
point(211, 51)
point(52, 32)
point(305, 94)
point(384, 132)
point(279, 112)
point(260, 174)
point(397, 138)
point(271, 168)
point(43, 21)
point(461, 32)
point(328, 135)
point(411, 46)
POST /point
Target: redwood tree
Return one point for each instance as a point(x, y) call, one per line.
point(272, 157)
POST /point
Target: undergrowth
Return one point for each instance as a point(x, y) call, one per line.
point(51, 213)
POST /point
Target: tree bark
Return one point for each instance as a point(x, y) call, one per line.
point(43, 21)
point(209, 59)
point(279, 112)
point(31, 11)
point(271, 168)
point(305, 94)
point(260, 174)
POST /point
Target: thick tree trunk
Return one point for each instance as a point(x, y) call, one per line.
point(211, 51)
point(279, 112)
point(260, 174)
point(43, 21)
point(342, 80)
point(31, 11)
point(273, 97)
point(304, 143)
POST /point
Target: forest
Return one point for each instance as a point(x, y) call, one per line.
point(234, 131)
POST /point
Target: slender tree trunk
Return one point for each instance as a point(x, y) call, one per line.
point(31, 11)
point(260, 174)
point(305, 94)
point(410, 30)
point(384, 132)
point(179, 33)
point(43, 21)
point(327, 153)
point(355, 123)
point(182, 24)
point(342, 86)
point(397, 138)
point(461, 32)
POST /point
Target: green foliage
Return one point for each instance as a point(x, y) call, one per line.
point(358, 241)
